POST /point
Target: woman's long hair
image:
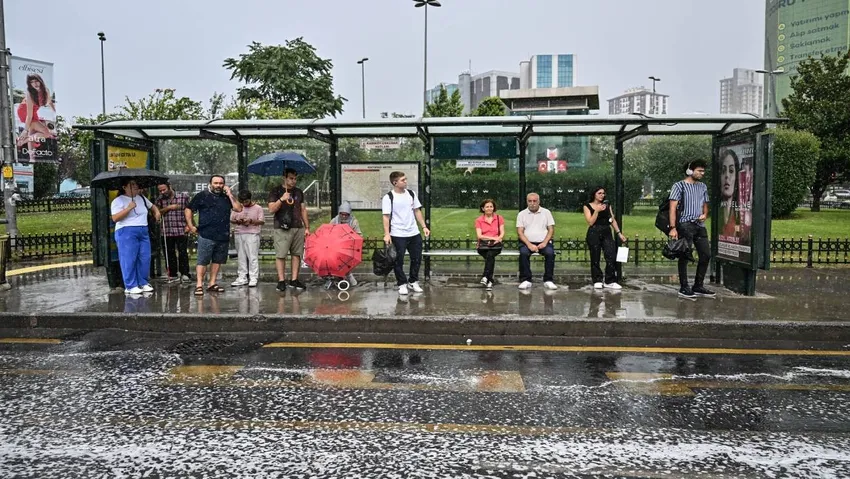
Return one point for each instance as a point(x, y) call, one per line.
point(593, 192)
point(39, 97)
point(734, 199)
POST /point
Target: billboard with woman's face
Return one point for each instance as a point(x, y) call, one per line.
point(33, 110)
point(735, 166)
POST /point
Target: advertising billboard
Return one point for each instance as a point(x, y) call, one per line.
point(33, 110)
point(796, 30)
point(736, 167)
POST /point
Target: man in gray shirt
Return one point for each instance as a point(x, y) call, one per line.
point(535, 227)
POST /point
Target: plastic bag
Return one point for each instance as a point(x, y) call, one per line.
point(678, 248)
point(383, 260)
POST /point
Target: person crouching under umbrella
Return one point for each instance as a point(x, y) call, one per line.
point(130, 214)
point(346, 218)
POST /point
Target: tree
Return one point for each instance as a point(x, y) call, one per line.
point(795, 156)
point(287, 76)
point(663, 159)
point(45, 176)
point(162, 104)
point(490, 106)
point(445, 106)
point(820, 103)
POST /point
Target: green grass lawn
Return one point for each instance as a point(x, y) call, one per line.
point(457, 223)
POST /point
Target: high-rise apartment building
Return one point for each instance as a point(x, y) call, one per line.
point(639, 100)
point(742, 93)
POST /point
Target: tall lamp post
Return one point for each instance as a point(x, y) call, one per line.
point(362, 64)
point(771, 75)
point(102, 37)
point(652, 107)
point(426, 4)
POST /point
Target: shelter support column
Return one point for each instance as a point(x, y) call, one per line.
point(334, 177)
point(427, 199)
point(522, 146)
point(242, 163)
point(619, 195)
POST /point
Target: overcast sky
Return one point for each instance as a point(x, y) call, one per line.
point(690, 44)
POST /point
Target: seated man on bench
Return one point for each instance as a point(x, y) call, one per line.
point(535, 228)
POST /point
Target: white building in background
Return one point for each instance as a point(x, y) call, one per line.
point(475, 88)
point(743, 93)
point(639, 100)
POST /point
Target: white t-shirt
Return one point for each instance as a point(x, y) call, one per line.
point(535, 224)
point(137, 217)
point(402, 219)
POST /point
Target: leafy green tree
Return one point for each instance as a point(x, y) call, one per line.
point(445, 106)
point(820, 103)
point(490, 106)
point(46, 177)
point(663, 159)
point(289, 76)
point(795, 156)
point(162, 104)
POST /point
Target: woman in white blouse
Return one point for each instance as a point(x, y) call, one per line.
point(130, 214)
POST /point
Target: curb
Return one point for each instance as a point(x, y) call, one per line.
point(530, 327)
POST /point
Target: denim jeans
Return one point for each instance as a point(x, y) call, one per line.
point(525, 262)
point(699, 238)
point(413, 245)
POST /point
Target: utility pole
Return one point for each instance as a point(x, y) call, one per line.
point(8, 149)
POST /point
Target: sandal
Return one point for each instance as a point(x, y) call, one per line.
point(199, 291)
point(215, 288)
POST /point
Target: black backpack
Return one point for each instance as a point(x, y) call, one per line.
point(383, 260)
point(662, 218)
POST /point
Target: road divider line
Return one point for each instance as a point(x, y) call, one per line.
point(565, 349)
point(35, 269)
point(30, 341)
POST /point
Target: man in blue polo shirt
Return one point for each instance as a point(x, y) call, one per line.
point(690, 224)
point(213, 207)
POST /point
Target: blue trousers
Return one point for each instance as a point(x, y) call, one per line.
point(548, 254)
point(134, 255)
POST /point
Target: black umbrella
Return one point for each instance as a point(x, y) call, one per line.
point(112, 180)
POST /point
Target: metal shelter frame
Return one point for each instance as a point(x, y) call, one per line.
point(521, 128)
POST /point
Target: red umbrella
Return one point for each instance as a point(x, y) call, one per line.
point(333, 250)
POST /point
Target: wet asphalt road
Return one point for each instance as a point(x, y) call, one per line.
point(119, 404)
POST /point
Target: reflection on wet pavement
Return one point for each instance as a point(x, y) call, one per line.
point(117, 404)
point(795, 294)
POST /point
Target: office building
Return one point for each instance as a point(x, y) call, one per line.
point(475, 88)
point(796, 31)
point(434, 93)
point(548, 71)
point(639, 100)
point(742, 93)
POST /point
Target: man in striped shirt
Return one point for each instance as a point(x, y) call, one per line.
point(692, 194)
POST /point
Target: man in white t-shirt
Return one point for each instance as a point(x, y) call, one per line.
point(401, 210)
point(535, 227)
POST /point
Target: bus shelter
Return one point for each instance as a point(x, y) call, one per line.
point(737, 253)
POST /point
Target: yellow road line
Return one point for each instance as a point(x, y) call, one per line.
point(34, 269)
point(575, 349)
point(30, 341)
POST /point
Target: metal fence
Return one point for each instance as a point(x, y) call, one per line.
point(49, 205)
point(809, 251)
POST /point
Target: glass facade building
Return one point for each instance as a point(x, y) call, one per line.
point(544, 71)
point(796, 30)
point(565, 71)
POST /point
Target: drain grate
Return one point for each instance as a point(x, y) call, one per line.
point(201, 346)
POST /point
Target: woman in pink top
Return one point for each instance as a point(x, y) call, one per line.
point(490, 230)
point(247, 232)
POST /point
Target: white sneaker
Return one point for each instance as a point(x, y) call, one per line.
point(550, 285)
point(525, 285)
point(185, 278)
point(351, 281)
point(415, 287)
point(402, 290)
point(252, 283)
point(597, 285)
point(489, 286)
point(134, 290)
point(239, 282)
point(147, 288)
point(483, 281)
point(613, 286)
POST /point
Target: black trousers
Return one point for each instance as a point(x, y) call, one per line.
point(699, 238)
point(413, 245)
point(599, 240)
point(176, 250)
point(489, 256)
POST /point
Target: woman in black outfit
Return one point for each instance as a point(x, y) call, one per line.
point(600, 219)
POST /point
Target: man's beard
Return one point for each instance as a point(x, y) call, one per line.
point(218, 191)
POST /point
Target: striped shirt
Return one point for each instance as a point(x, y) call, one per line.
point(691, 197)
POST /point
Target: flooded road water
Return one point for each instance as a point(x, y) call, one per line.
point(119, 404)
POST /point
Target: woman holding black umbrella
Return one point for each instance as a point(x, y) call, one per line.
point(130, 214)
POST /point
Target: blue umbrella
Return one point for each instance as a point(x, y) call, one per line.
point(273, 164)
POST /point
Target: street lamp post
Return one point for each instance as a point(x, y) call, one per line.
point(652, 106)
point(362, 64)
point(102, 37)
point(771, 78)
point(426, 4)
